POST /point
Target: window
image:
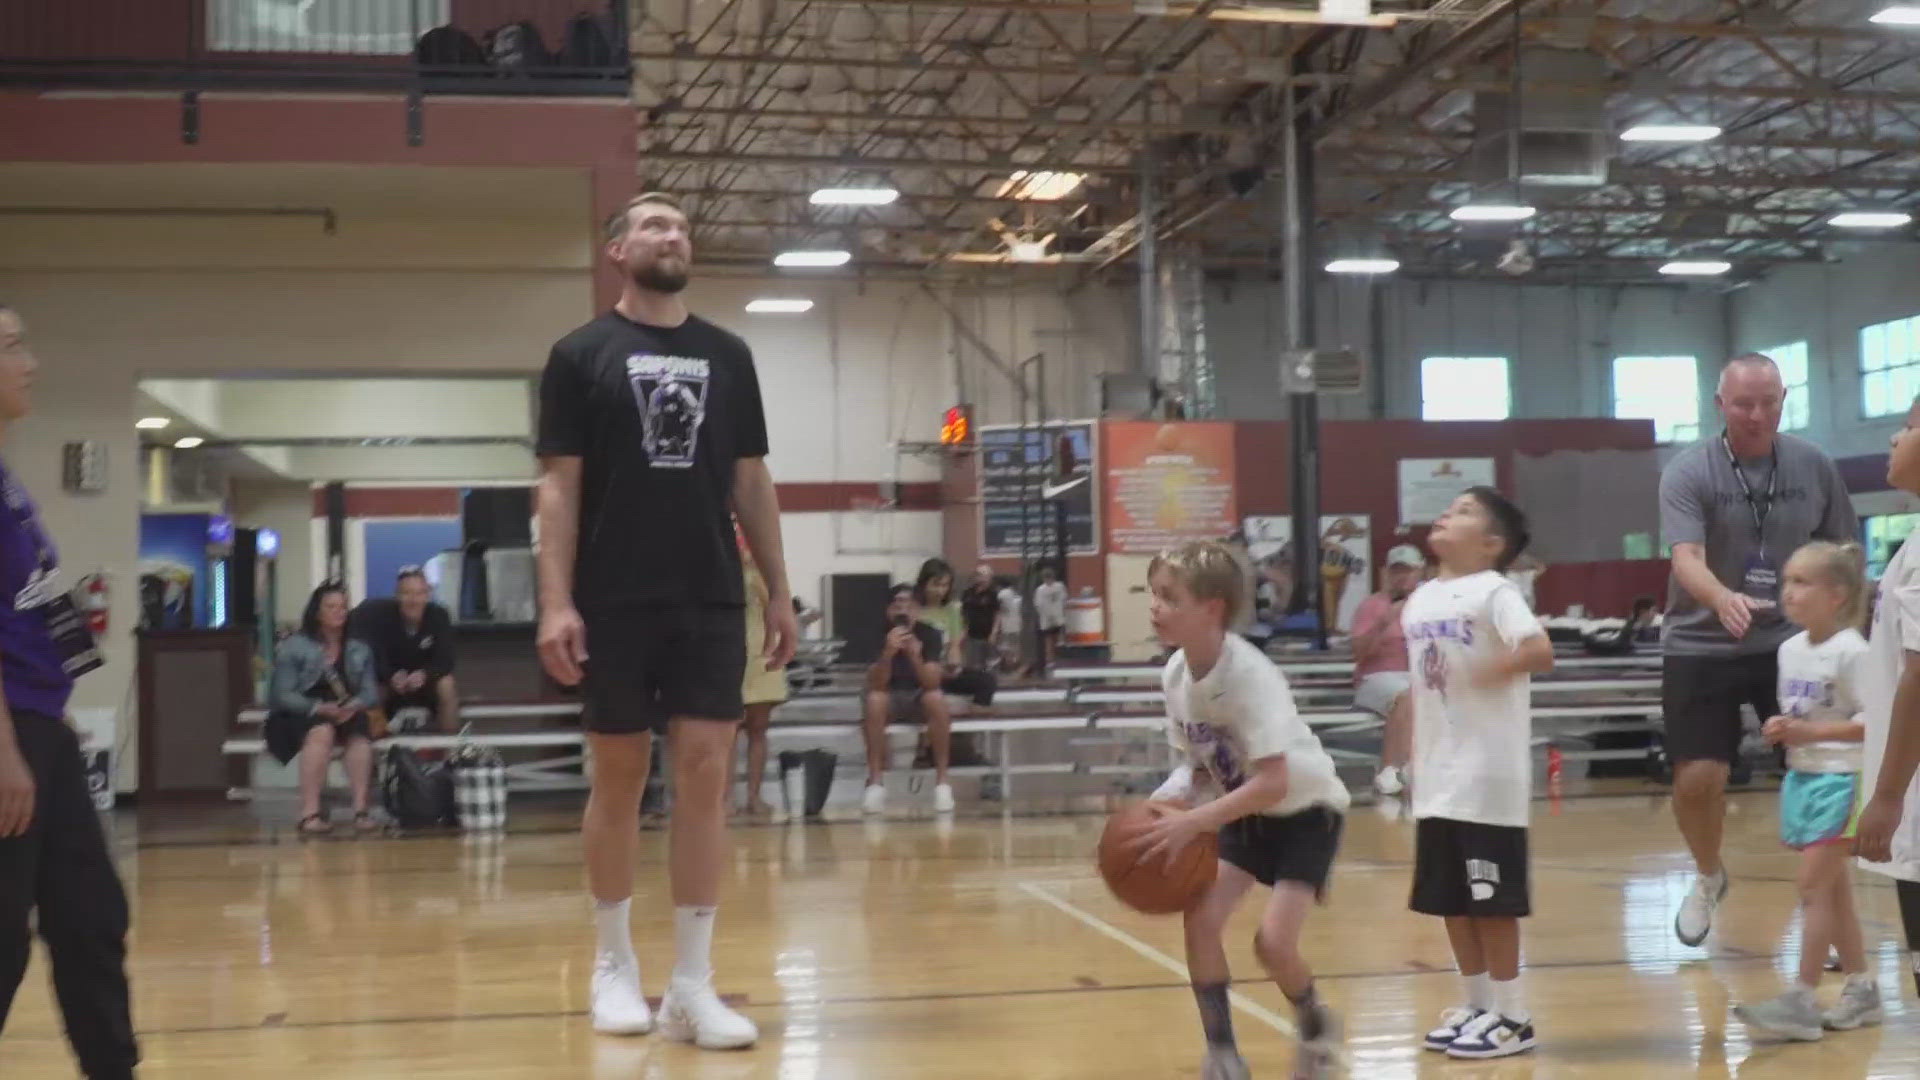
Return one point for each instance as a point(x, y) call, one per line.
point(1889, 366)
point(1885, 534)
point(1663, 389)
point(321, 26)
point(1464, 388)
point(1792, 360)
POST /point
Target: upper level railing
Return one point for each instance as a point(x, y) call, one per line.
point(436, 46)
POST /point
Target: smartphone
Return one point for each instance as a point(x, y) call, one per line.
point(902, 621)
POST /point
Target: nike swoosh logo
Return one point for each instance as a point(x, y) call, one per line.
point(1054, 491)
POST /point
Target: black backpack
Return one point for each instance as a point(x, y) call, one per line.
point(589, 44)
point(417, 794)
point(517, 48)
point(448, 47)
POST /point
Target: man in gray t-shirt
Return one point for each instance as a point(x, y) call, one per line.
point(1733, 508)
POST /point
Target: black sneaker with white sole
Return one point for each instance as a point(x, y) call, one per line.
point(1492, 1036)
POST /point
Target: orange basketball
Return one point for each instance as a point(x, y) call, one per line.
point(1153, 887)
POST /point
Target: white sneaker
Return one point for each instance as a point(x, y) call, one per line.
point(1695, 920)
point(1792, 1015)
point(875, 800)
point(1390, 781)
point(618, 1006)
point(1859, 1006)
point(1452, 1023)
point(697, 1015)
point(1491, 1035)
point(943, 798)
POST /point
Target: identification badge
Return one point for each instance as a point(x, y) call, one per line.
point(71, 638)
point(1762, 581)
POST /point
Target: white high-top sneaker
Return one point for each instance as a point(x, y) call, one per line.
point(618, 1006)
point(696, 1014)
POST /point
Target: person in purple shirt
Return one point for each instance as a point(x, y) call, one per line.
point(53, 855)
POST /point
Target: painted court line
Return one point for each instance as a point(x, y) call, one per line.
point(1240, 1001)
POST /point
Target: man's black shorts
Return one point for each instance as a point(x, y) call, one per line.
point(1298, 847)
point(1465, 868)
point(1701, 697)
point(646, 666)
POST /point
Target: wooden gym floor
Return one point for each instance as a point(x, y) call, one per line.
point(909, 950)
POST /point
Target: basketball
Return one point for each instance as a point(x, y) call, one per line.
point(1153, 887)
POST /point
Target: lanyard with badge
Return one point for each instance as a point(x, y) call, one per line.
point(72, 639)
point(1761, 580)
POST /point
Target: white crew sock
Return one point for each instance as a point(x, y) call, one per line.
point(610, 919)
point(1479, 991)
point(693, 945)
point(1510, 999)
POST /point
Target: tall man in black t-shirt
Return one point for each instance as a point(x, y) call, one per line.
point(651, 442)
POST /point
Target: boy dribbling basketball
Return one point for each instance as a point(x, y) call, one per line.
point(1472, 641)
point(1232, 723)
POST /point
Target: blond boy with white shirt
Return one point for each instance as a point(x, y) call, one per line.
point(1472, 642)
point(1279, 811)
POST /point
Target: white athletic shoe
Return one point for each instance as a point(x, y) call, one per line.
point(1224, 1063)
point(1391, 780)
point(1695, 920)
point(1793, 1015)
point(618, 1006)
point(1859, 1006)
point(1491, 1035)
point(697, 1015)
point(943, 798)
point(875, 800)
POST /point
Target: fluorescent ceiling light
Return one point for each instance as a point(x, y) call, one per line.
point(854, 196)
point(1898, 15)
point(1696, 267)
point(188, 442)
point(1363, 266)
point(812, 258)
point(1870, 219)
point(1039, 186)
point(1670, 133)
point(767, 305)
point(1492, 212)
point(151, 423)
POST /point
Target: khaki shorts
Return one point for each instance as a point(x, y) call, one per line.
point(1378, 691)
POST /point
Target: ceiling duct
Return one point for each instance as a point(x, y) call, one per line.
point(1564, 137)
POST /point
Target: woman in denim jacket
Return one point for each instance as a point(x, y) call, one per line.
point(323, 684)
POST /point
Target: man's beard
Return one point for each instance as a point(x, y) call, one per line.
point(656, 278)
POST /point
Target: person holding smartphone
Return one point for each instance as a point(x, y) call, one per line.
point(903, 686)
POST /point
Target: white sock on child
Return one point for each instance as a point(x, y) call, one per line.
point(693, 945)
point(1510, 999)
point(616, 937)
point(1479, 991)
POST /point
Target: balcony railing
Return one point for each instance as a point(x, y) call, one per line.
point(435, 46)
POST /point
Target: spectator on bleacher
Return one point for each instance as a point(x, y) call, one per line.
point(412, 642)
point(903, 686)
point(1050, 613)
point(318, 700)
point(980, 612)
point(1381, 683)
point(933, 591)
point(1011, 630)
point(761, 690)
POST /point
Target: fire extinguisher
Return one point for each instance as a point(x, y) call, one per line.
point(98, 602)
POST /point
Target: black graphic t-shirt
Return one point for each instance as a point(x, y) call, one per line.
point(659, 417)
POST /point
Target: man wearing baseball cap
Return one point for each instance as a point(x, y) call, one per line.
point(1380, 679)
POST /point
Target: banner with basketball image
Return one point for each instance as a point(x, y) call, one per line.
point(1346, 562)
point(1167, 484)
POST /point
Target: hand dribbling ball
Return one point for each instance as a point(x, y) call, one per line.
point(1152, 886)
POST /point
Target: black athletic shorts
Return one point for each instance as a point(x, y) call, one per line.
point(647, 666)
point(1298, 847)
point(1469, 868)
point(1701, 697)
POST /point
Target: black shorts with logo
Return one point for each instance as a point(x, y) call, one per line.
point(1463, 868)
point(646, 666)
point(1701, 698)
point(1297, 847)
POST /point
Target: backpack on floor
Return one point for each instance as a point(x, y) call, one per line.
point(588, 44)
point(417, 794)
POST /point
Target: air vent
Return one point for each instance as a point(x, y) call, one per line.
point(1564, 135)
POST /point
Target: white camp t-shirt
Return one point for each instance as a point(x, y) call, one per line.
point(1050, 605)
point(1240, 712)
point(1822, 682)
point(1895, 632)
point(1472, 748)
point(1009, 612)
